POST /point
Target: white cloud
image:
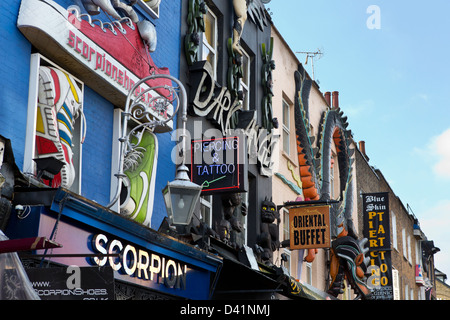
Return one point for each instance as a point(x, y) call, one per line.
point(363, 107)
point(441, 147)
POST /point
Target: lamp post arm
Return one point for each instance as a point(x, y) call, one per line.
point(130, 104)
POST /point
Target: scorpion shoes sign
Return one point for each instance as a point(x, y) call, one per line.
point(218, 165)
point(377, 230)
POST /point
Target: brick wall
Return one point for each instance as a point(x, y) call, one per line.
point(371, 180)
point(442, 290)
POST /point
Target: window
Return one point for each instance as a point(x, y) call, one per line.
point(418, 256)
point(406, 292)
point(245, 80)
point(394, 231)
point(409, 249)
point(404, 242)
point(206, 209)
point(286, 234)
point(209, 47)
point(286, 127)
point(287, 261)
point(55, 125)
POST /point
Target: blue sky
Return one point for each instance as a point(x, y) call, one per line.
point(394, 86)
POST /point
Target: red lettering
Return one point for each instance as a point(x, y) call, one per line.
point(108, 68)
point(76, 46)
point(91, 52)
point(85, 50)
point(98, 61)
point(71, 39)
point(120, 77)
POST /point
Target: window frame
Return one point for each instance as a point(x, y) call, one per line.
point(244, 84)
point(394, 230)
point(212, 48)
point(286, 129)
point(207, 203)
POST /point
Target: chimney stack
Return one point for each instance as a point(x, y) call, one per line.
point(362, 148)
point(328, 98)
point(335, 99)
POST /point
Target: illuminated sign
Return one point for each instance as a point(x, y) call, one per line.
point(208, 99)
point(309, 227)
point(218, 165)
point(139, 263)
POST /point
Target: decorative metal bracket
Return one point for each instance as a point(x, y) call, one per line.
point(142, 109)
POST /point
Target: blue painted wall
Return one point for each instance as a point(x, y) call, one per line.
point(14, 74)
point(96, 172)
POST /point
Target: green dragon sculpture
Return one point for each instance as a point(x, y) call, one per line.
point(347, 252)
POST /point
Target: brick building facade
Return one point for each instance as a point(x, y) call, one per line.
point(410, 280)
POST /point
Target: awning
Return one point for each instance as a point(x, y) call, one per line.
point(27, 244)
point(238, 281)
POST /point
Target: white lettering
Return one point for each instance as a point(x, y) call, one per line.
point(129, 265)
point(97, 241)
point(140, 263)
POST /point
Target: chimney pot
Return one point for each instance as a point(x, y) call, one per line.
point(328, 98)
point(335, 99)
point(362, 148)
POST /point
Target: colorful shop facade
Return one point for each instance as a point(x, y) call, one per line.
point(154, 149)
point(116, 118)
point(82, 174)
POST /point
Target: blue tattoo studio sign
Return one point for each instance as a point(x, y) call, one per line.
point(218, 165)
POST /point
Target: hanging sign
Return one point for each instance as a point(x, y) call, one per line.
point(218, 165)
point(377, 230)
point(376, 220)
point(309, 227)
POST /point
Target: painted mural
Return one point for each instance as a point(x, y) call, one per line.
point(59, 106)
point(139, 184)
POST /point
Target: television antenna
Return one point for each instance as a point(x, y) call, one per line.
point(312, 55)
